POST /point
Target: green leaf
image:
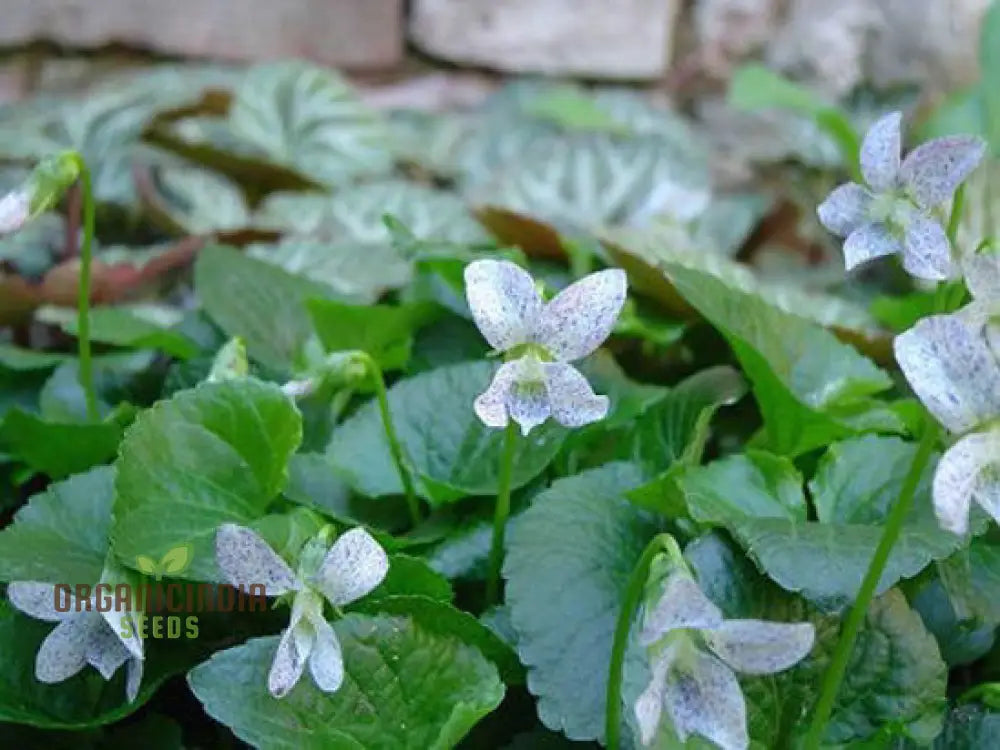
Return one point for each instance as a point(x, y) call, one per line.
point(191, 200)
point(357, 272)
point(356, 213)
point(410, 576)
point(307, 118)
point(261, 304)
point(136, 327)
point(406, 686)
point(116, 377)
point(444, 619)
point(752, 495)
point(61, 535)
point(58, 449)
point(676, 428)
point(212, 455)
point(383, 331)
point(895, 679)
point(568, 560)
point(805, 380)
point(750, 485)
point(27, 360)
point(989, 63)
point(593, 179)
point(450, 451)
point(971, 577)
point(755, 86)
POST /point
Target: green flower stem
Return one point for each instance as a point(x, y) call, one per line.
point(849, 633)
point(945, 301)
point(500, 514)
point(633, 597)
point(83, 298)
point(390, 433)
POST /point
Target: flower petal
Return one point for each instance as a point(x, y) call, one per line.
point(927, 252)
point(969, 470)
point(64, 652)
point(38, 600)
point(245, 559)
point(503, 300)
point(704, 698)
point(571, 399)
point(845, 209)
point(933, 171)
point(982, 275)
point(880, 152)
point(133, 679)
point(952, 371)
point(758, 647)
point(867, 242)
point(326, 663)
point(15, 209)
point(681, 605)
point(354, 565)
point(106, 651)
point(491, 405)
point(289, 660)
point(649, 704)
point(578, 319)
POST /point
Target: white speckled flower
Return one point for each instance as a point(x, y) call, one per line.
point(951, 366)
point(344, 573)
point(104, 640)
point(540, 340)
point(894, 212)
point(695, 654)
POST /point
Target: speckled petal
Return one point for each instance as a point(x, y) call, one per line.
point(845, 209)
point(951, 370)
point(969, 470)
point(867, 242)
point(758, 647)
point(106, 651)
point(704, 699)
point(681, 605)
point(354, 565)
point(982, 275)
point(246, 559)
point(649, 705)
point(880, 152)
point(572, 401)
point(491, 405)
point(326, 663)
point(926, 251)
point(933, 171)
point(290, 659)
point(503, 300)
point(38, 600)
point(528, 404)
point(578, 319)
point(133, 679)
point(64, 652)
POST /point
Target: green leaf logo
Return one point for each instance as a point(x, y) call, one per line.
point(174, 562)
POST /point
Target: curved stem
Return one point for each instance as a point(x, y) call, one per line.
point(83, 298)
point(849, 633)
point(390, 433)
point(500, 514)
point(633, 596)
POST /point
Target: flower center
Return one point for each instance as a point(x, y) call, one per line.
point(535, 351)
point(891, 209)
